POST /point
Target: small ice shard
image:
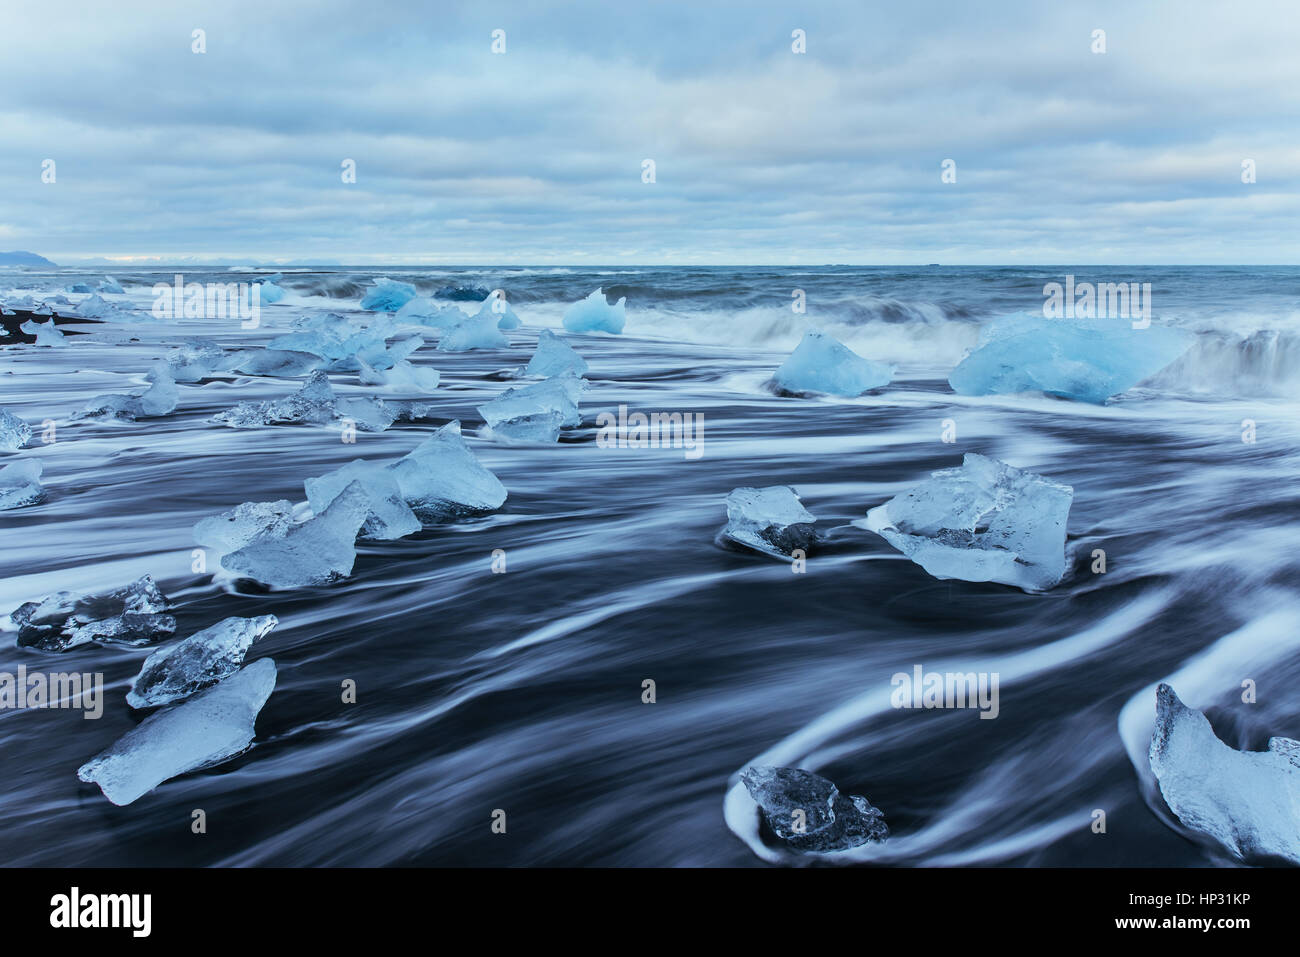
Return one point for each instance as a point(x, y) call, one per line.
point(426, 312)
point(1085, 359)
point(313, 403)
point(477, 332)
point(46, 333)
point(389, 516)
point(269, 291)
point(195, 360)
point(496, 304)
point(808, 812)
point(367, 413)
point(284, 363)
point(159, 399)
point(458, 293)
point(316, 552)
point(823, 364)
point(595, 314)
point(387, 295)
point(536, 412)
point(404, 376)
point(984, 521)
point(554, 356)
point(769, 520)
point(111, 286)
point(14, 432)
point(42, 310)
point(133, 615)
point(20, 484)
point(232, 530)
point(441, 478)
point(214, 725)
point(198, 662)
point(1248, 801)
point(78, 288)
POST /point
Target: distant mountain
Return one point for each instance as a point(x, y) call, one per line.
point(20, 258)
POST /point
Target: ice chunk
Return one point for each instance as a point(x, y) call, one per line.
point(496, 304)
point(389, 516)
point(195, 360)
point(236, 528)
point(159, 399)
point(335, 339)
point(198, 662)
point(1086, 359)
point(213, 726)
point(477, 332)
point(595, 314)
point(111, 286)
point(366, 413)
point(458, 293)
point(14, 432)
point(536, 412)
point(133, 615)
point(822, 364)
point(46, 333)
point(317, 552)
point(1248, 801)
point(441, 478)
point(387, 295)
point(284, 363)
point(20, 484)
point(404, 376)
point(984, 521)
point(269, 290)
point(313, 403)
point(808, 812)
point(554, 356)
point(426, 312)
point(78, 288)
point(97, 307)
point(769, 520)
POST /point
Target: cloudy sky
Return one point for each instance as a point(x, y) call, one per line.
point(761, 155)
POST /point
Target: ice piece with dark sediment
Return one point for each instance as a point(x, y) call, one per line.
point(200, 661)
point(134, 615)
point(770, 520)
point(809, 813)
point(213, 726)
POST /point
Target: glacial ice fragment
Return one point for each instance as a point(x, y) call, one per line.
point(426, 312)
point(14, 432)
point(477, 332)
point(387, 295)
point(984, 521)
point(388, 517)
point(195, 360)
point(403, 376)
point(367, 413)
point(97, 307)
point(285, 363)
point(554, 356)
point(536, 412)
point(313, 403)
point(1085, 359)
point(316, 552)
point(232, 530)
point(595, 314)
point(161, 398)
point(214, 725)
point(1248, 801)
point(808, 812)
point(269, 290)
point(111, 286)
point(201, 660)
point(496, 304)
point(769, 520)
point(133, 615)
point(20, 484)
point(47, 333)
point(441, 478)
point(820, 363)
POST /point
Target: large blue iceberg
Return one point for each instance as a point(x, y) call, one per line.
point(1088, 359)
point(823, 364)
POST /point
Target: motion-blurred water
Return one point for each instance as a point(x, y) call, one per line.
point(522, 691)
